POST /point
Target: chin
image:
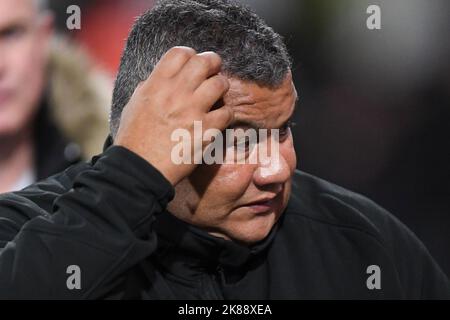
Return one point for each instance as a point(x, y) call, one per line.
point(10, 125)
point(252, 231)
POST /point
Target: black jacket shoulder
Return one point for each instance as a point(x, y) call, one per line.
point(331, 204)
point(317, 202)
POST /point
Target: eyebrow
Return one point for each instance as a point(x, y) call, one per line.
point(246, 123)
point(14, 23)
point(254, 124)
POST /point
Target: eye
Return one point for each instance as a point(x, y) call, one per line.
point(285, 128)
point(12, 32)
point(243, 143)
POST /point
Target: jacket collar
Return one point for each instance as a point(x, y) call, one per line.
point(108, 143)
point(187, 250)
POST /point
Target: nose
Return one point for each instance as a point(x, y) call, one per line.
point(274, 171)
point(3, 61)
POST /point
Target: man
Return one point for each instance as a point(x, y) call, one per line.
point(132, 224)
point(52, 105)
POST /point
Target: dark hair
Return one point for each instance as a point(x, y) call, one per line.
point(249, 48)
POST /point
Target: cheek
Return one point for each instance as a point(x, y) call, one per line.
point(236, 176)
point(27, 75)
point(27, 57)
point(26, 82)
point(226, 183)
point(287, 151)
point(31, 71)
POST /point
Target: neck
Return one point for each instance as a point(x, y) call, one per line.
point(16, 156)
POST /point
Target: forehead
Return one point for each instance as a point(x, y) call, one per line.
point(260, 106)
point(16, 10)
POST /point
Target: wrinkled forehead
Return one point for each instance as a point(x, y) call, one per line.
point(261, 107)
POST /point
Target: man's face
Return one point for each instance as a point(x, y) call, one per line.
point(243, 201)
point(24, 35)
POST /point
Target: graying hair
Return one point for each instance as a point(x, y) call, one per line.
point(249, 48)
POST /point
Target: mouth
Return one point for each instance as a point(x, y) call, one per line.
point(264, 205)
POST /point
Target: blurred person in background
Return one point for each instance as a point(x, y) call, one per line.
point(53, 104)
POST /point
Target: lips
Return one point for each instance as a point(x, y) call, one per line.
point(264, 204)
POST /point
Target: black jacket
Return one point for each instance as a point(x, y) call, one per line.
point(108, 218)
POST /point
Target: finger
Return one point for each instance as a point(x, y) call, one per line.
point(136, 92)
point(138, 87)
point(219, 119)
point(210, 91)
point(173, 61)
point(199, 68)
